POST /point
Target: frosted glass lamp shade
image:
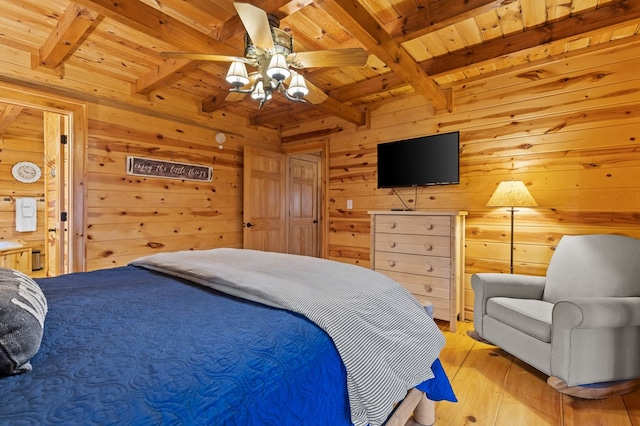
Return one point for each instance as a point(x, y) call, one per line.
point(259, 93)
point(237, 74)
point(278, 69)
point(511, 193)
point(297, 88)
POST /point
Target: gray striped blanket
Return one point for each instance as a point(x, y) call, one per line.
point(385, 339)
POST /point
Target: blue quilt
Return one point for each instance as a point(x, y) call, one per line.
point(131, 346)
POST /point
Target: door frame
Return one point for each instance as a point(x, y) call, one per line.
point(321, 147)
point(77, 114)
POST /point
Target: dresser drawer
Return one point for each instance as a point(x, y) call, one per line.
point(430, 287)
point(441, 308)
point(422, 225)
point(430, 245)
point(412, 264)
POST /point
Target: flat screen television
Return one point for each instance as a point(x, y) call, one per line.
point(426, 160)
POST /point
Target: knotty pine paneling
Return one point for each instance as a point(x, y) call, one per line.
point(568, 128)
point(133, 216)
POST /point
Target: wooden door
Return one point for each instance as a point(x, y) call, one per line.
point(264, 217)
point(303, 205)
point(56, 187)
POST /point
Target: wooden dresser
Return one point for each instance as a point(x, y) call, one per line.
point(423, 251)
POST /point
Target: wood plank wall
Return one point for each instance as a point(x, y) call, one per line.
point(132, 216)
point(22, 140)
point(129, 216)
point(569, 129)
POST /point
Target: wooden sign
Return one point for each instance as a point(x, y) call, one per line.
point(139, 166)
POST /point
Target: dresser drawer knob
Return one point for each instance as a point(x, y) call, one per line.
point(429, 226)
point(428, 288)
point(428, 246)
point(392, 263)
point(392, 244)
point(428, 268)
point(392, 225)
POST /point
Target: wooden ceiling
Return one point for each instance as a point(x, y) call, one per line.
point(107, 50)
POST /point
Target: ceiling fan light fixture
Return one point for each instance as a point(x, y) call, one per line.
point(259, 93)
point(297, 88)
point(237, 74)
point(269, 50)
point(278, 68)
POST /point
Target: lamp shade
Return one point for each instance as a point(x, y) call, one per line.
point(237, 74)
point(278, 68)
point(259, 93)
point(297, 87)
point(511, 193)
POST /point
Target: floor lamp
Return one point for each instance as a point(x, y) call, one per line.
point(511, 193)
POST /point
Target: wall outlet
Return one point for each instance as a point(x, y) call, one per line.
point(349, 204)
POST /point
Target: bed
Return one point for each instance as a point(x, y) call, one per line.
point(225, 337)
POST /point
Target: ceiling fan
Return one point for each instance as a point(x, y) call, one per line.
point(269, 50)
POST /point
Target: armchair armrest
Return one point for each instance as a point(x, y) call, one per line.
point(488, 285)
point(595, 339)
point(597, 312)
point(508, 285)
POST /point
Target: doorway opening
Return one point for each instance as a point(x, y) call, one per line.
point(58, 240)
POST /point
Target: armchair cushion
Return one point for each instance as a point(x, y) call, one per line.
point(594, 266)
point(530, 316)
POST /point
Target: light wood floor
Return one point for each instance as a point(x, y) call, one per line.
point(494, 388)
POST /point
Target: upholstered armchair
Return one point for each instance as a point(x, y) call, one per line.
point(580, 323)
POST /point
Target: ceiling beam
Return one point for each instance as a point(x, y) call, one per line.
point(8, 116)
point(163, 27)
point(437, 15)
point(329, 105)
point(64, 39)
point(163, 74)
point(617, 12)
point(154, 23)
point(347, 112)
point(361, 89)
point(315, 134)
point(370, 33)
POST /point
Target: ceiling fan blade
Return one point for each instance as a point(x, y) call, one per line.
point(315, 95)
point(329, 58)
point(256, 23)
point(202, 57)
point(238, 96)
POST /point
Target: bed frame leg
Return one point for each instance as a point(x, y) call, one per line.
point(425, 412)
point(414, 410)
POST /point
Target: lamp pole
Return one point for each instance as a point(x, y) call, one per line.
point(511, 251)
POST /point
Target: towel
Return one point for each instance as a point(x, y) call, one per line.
point(26, 214)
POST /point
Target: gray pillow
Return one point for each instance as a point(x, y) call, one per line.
point(22, 311)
